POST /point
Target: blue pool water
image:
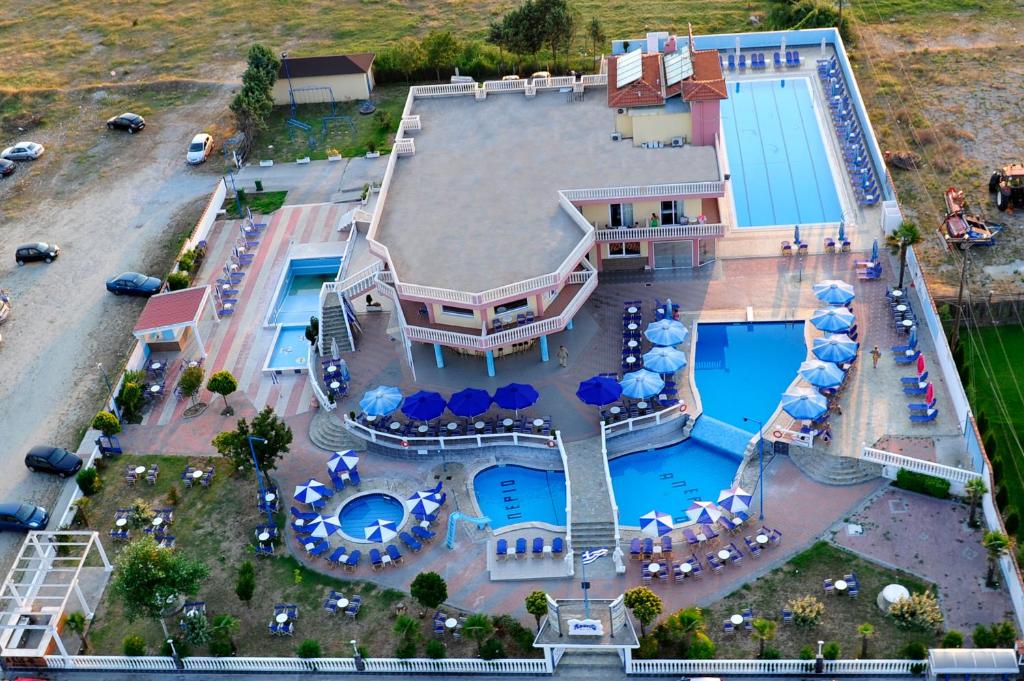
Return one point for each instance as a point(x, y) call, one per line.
point(290, 349)
point(742, 369)
point(362, 511)
point(298, 298)
point(516, 494)
point(780, 173)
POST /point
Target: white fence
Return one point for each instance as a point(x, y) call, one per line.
point(568, 495)
point(209, 216)
point(638, 422)
point(892, 463)
point(663, 232)
point(728, 667)
point(448, 442)
point(716, 188)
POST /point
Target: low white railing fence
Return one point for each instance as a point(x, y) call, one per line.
point(715, 188)
point(406, 145)
point(362, 280)
point(620, 568)
point(892, 463)
point(800, 667)
point(209, 216)
point(447, 442)
point(637, 422)
point(314, 380)
point(568, 493)
point(663, 232)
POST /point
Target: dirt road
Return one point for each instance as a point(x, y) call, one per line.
point(118, 207)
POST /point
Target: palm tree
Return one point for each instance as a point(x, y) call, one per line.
point(902, 238)
point(866, 631)
point(76, 623)
point(764, 631)
point(996, 544)
point(975, 489)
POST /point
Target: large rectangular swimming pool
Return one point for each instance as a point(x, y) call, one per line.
point(298, 298)
point(776, 149)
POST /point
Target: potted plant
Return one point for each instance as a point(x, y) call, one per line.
point(333, 154)
point(371, 149)
point(365, 196)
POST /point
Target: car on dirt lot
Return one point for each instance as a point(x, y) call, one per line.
point(16, 515)
point(134, 284)
point(49, 459)
point(6, 167)
point(199, 149)
point(23, 151)
point(37, 251)
point(127, 121)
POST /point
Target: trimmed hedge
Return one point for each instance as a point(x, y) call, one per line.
point(925, 484)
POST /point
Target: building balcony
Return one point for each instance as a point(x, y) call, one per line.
point(417, 326)
point(664, 232)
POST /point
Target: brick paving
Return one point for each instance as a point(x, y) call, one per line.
point(929, 537)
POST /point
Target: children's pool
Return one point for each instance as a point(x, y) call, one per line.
point(290, 349)
point(356, 515)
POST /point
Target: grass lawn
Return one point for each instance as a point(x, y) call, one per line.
point(801, 576)
point(283, 143)
point(262, 203)
point(993, 355)
point(216, 525)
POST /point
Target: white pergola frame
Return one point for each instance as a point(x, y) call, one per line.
point(39, 559)
point(193, 323)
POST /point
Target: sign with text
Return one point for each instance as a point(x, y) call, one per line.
point(585, 627)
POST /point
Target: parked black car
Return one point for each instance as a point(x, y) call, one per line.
point(53, 460)
point(134, 284)
point(37, 251)
point(22, 516)
point(7, 167)
point(127, 121)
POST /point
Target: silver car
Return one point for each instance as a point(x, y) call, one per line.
point(23, 151)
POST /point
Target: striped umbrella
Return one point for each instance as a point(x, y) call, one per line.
point(323, 526)
point(342, 461)
point(422, 503)
point(655, 523)
point(381, 531)
point(704, 512)
point(734, 500)
point(311, 491)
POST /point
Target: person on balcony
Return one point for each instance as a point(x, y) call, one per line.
point(654, 220)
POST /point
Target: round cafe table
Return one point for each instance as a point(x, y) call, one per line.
point(840, 585)
point(901, 308)
point(761, 539)
point(507, 423)
point(631, 360)
point(908, 323)
point(263, 536)
point(121, 522)
point(158, 521)
point(225, 287)
point(537, 423)
point(724, 555)
point(331, 369)
point(631, 344)
point(155, 388)
point(196, 475)
point(685, 568)
point(631, 310)
point(335, 385)
point(451, 623)
point(422, 429)
point(394, 425)
point(452, 426)
point(896, 293)
point(654, 568)
point(282, 617)
point(371, 418)
point(641, 405)
point(342, 602)
point(156, 366)
point(736, 619)
point(614, 411)
point(479, 425)
point(139, 470)
point(270, 496)
point(632, 326)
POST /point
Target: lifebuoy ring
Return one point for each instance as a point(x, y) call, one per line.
point(551, 444)
point(405, 443)
point(682, 409)
point(777, 434)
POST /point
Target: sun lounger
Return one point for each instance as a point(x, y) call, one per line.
point(375, 560)
point(787, 615)
point(922, 406)
point(557, 546)
point(353, 475)
point(538, 545)
point(691, 538)
point(914, 380)
point(634, 548)
point(320, 549)
point(666, 544)
point(520, 547)
point(930, 415)
point(907, 357)
point(394, 554)
point(919, 389)
point(301, 515)
point(408, 540)
point(422, 533)
point(353, 560)
point(338, 556)
point(648, 549)
point(501, 548)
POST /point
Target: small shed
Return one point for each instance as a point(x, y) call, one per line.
point(314, 80)
point(170, 321)
point(972, 663)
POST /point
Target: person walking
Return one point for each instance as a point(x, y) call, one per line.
point(875, 355)
point(563, 356)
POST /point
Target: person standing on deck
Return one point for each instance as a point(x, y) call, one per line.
point(875, 355)
point(563, 356)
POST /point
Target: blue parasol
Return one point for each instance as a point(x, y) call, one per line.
point(666, 332)
point(834, 292)
point(796, 234)
point(599, 391)
point(422, 503)
point(342, 461)
point(641, 384)
point(515, 396)
point(704, 512)
point(821, 374)
point(874, 250)
point(323, 526)
point(734, 500)
point(842, 232)
point(804, 405)
point(832, 319)
point(381, 531)
point(836, 348)
point(380, 401)
point(469, 402)
point(664, 360)
point(655, 523)
point(423, 405)
point(311, 491)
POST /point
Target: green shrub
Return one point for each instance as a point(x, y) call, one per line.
point(953, 639)
point(1012, 522)
point(129, 397)
point(492, 649)
point(246, 584)
point(1001, 495)
point(436, 650)
point(918, 668)
point(241, 195)
point(406, 648)
point(807, 610)
point(89, 481)
point(187, 261)
point(309, 648)
point(807, 652)
point(830, 651)
point(915, 650)
point(990, 445)
point(523, 638)
point(133, 646)
point(180, 644)
point(920, 611)
point(383, 119)
point(982, 637)
point(140, 514)
point(999, 635)
point(648, 648)
point(702, 648)
point(177, 281)
point(924, 484)
point(222, 647)
point(106, 423)
point(772, 654)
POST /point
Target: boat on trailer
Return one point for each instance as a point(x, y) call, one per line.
point(959, 226)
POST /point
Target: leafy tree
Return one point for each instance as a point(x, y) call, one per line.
point(831, 651)
point(795, 14)
point(702, 648)
point(975, 491)
point(524, 29)
point(558, 22)
point(440, 49)
point(645, 604)
point(309, 649)
point(312, 331)
point(223, 629)
point(996, 544)
point(763, 631)
point(537, 605)
point(76, 623)
point(866, 631)
point(89, 481)
point(133, 645)
point(478, 627)
point(234, 444)
point(106, 423)
point(129, 397)
point(497, 35)
point(190, 382)
point(679, 629)
point(253, 104)
point(246, 584)
point(492, 649)
point(953, 639)
point(901, 239)
point(223, 383)
point(429, 589)
point(407, 56)
point(196, 629)
point(147, 579)
point(596, 33)
point(436, 650)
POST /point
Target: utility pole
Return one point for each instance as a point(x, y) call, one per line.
point(965, 246)
point(840, 15)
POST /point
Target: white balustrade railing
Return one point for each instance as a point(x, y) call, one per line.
point(121, 663)
point(315, 378)
point(594, 79)
point(110, 662)
point(505, 85)
point(568, 490)
point(360, 281)
point(799, 667)
point(447, 442)
point(443, 90)
point(647, 420)
point(715, 188)
point(938, 470)
point(411, 122)
point(662, 232)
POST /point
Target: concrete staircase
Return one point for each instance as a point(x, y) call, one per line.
point(592, 534)
point(334, 325)
point(327, 432)
point(591, 524)
point(830, 469)
point(601, 663)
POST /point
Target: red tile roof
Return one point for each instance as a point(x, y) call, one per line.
point(648, 91)
point(707, 81)
point(168, 309)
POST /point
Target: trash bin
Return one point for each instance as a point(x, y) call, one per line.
point(259, 185)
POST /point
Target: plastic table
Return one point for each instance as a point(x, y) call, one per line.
point(263, 536)
point(282, 617)
point(736, 619)
point(139, 470)
point(685, 567)
point(197, 474)
point(654, 568)
point(724, 555)
point(761, 539)
point(451, 623)
point(121, 522)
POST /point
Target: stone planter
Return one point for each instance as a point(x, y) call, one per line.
point(373, 154)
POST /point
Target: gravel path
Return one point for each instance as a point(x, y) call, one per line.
point(116, 208)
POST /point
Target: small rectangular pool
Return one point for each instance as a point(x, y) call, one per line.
point(776, 149)
point(298, 296)
point(290, 349)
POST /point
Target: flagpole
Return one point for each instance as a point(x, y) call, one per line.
point(586, 599)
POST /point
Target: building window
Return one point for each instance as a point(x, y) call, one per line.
point(672, 213)
point(457, 311)
point(628, 249)
point(512, 306)
point(620, 215)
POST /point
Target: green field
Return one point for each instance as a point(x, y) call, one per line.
point(995, 358)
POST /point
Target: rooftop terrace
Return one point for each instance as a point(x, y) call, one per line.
point(449, 224)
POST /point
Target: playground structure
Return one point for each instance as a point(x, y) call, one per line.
point(1007, 183)
point(294, 123)
point(453, 521)
point(959, 227)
